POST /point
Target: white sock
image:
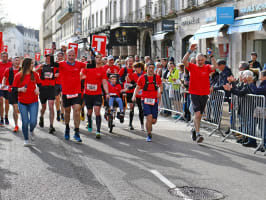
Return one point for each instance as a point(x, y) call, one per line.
point(198, 134)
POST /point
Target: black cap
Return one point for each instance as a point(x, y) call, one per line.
point(221, 62)
point(48, 55)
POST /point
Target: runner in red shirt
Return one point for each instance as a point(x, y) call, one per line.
point(139, 71)
point(47, 91)
point(5, 64)
point(110, 68)
point(199, 86)
point(25, 83)
point(128, 83)
point(13, 96)
point(149, 83)
point(58, 89)
point(71, 90)
point(94, 78)
point(82, 113)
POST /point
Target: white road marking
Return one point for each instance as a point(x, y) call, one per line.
point(169, 184)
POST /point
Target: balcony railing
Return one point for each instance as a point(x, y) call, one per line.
point(65, 14)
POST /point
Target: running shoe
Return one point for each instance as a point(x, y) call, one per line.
point(41, 123)
point(131, 127)
point(98, 135)
point(6, 121)
point(16, 129)
point(67, 134)
point(82, 117)
point(1, 122)
point(193, 134)
point(77, 137)
point(149, 138)
point(199, 138)
point(89, 129)
point(27, 143)
point(51, 130)
point(62, 117)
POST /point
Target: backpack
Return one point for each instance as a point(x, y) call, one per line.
point(147, 82)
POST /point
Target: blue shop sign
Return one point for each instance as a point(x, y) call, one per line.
point(225, 15)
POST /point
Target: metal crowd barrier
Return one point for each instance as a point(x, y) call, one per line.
point(172, 100)
point(248, 117)
point(214, 111)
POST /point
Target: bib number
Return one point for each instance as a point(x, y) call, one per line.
point(92, 87)
point(128, 85)
point(6, 87)
point(149, 101)
point(71, 96)
point(48, 75)
point(113, 94)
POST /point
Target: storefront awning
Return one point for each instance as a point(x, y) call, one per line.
point(208, 31)
point(159, 36)
point(247, 25)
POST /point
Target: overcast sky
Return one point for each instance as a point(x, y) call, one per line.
point(25, 12)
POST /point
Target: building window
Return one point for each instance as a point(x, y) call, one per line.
point(106, 15)
point(96, 19)
point(92, 21)
point(101, 18)
point(115, 11)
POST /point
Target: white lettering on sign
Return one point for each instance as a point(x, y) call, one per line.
point(99, 41)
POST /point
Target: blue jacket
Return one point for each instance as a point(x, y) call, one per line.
point(261, 90)
point(221, 80)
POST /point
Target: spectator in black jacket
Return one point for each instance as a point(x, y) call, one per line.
point(253, 63)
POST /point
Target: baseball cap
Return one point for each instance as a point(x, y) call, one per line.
point(110, 57)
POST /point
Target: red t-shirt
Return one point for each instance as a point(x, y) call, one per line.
point(29, 96)
point(6, 75)
point(3, 67)
point(113, 69)
point(70, 77)
point(151, 92)
point(129, 71)
point(199, 83)
point(93, 81)
point(114, 90)
point(135, 78)
point(46, 82)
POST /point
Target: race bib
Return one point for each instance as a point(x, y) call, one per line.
point(92, 87)
point(71, 96)
point(149, 101)
point(128, 85)
point(48, 75)
point(113, 94)
point(6, 87)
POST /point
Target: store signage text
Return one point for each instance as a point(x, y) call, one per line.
point(188, 21)
point(253, 8)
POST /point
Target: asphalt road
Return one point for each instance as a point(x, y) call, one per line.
point(119, 166)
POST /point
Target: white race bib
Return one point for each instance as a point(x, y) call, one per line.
point(128, 85)
point(113, 94)
point(48, 75)
point(92, 87)
point(149, 101)
point(71, 96)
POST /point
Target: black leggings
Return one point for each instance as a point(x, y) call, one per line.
point(141, 114)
